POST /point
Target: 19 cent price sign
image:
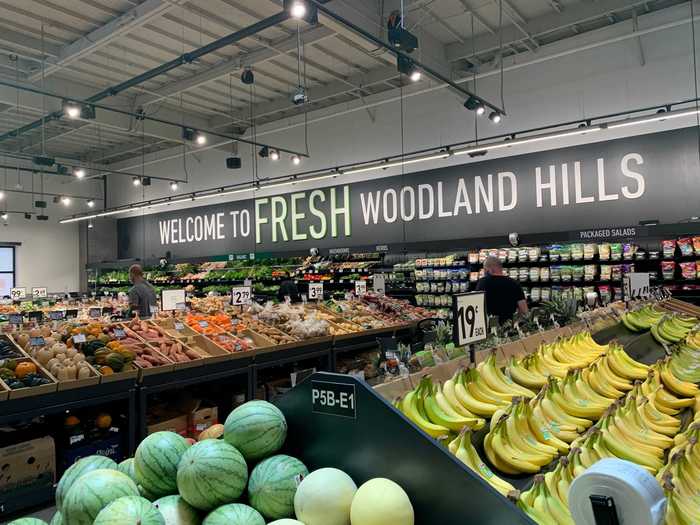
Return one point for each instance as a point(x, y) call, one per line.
point(469, 318)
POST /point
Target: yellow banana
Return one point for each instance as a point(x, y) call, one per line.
point(410, 408)
point(543, 430)
point(675, 385)
point(467, 454)
point(525, 377)
point(448, 389)
point(497, 381)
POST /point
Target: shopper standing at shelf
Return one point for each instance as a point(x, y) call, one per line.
point(142, 295)
point(504, 296)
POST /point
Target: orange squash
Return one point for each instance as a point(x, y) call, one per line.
point(103, 421)
point(106, 371)
point(24, 369)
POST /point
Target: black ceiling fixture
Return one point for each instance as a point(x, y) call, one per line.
point(234, 163)
point(247, 77)
point(264, 152)
point(400, 37)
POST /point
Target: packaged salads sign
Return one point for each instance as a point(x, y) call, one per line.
point(590, 186)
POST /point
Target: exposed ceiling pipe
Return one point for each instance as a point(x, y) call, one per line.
point(186, 58)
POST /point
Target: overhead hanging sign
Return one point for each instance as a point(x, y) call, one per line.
point(590, 186)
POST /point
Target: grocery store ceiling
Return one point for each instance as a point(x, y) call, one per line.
point(76, 48)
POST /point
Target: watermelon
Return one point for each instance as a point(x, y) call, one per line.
point(27, 521)
point(156, 461)
point(127, 467)
point(145, 494)
point(285, 521)
point(234, 514)
point(256, 428)
point(93, 492)
point(273, 484)
point(57, 519)
point(76, 470)
point(211, 473)
point(130, 510)
point(177, 511)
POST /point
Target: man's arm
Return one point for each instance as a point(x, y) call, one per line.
point(522, 307)
point(133, 300)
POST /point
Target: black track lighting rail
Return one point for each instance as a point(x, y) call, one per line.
point(404, 56)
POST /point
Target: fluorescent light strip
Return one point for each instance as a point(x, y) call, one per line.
point(526, 140)
point(659, 117)
point(394, 164)
point(221, 194)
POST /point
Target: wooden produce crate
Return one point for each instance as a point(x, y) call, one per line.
point(161, 369)
point(212, 352)
point(272, 333)
point(130, 372)
point(192, 363)
point(4, 391)
point(168, 327)
point(228, 343)
point(94, 379)
point(35, 390)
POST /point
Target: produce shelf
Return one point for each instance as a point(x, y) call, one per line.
point(375, 440)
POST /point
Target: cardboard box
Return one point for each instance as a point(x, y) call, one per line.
point(109, 446)
point(202, 418)
point(177, 424)
point(30, 463)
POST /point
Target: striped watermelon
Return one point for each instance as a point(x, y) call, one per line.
point(234, 514)
point(273, 484)
point(285, 521)
point(27, 521)
point(256, 428)
point(156, 461)
point(177, 511)
point(130, 510)
point(145, 494)
point(211, 473)
point(127, 467)
point(76, 470)
point(57, 519)
point(93, 492)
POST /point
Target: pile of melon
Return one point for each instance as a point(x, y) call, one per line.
point(240, 479)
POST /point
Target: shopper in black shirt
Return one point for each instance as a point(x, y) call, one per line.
point(504, 296)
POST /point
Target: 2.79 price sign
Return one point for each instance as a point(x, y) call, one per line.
point(241, 295)
point(469, 314)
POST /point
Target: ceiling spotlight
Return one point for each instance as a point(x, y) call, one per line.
point(247, 76)
point(200, 138)
point(195, 136)
point(91, 203)
point(274, 154)
point(296, 160)
point(90, 226)
point(174, 186)
point(4, 216)
point(71, 109)
point(471, 103)
point(480, 110)
point(415, 75)
point(495, 117)
point(136, 181)
point(65, 201)
point(298, 9)
point(79, 173)
point(2, 195)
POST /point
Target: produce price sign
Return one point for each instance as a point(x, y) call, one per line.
point(379, 284)
point(71, 314)
point(95, 312)
point(360, 288)
point(17, 294)
point(39, 293)
point(172, 300)
point(57, 315)
point(240, 295)
point(37, 316)
point(333, 399)
point(469, 313)
point(315, 291)
point(636, 286)
point(15, 319)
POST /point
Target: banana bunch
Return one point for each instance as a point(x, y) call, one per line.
point(555, 359)
point(463, 448)
point(429, 408)
point(675, 385)
point(680, 480)
point(685, 361)
point(672, 329)
point(663, 399)
point(642, 319)
point(516, 444)
point(543, 504)
point(476, 395)
point(498, 382)
point(548, 417)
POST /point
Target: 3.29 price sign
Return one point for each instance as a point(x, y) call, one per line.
point(469, 314)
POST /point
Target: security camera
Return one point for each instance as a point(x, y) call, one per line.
point(163, 263)
point(514, 239)
point(300, 96)
point(313, 252)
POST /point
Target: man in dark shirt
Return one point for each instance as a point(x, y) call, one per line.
point(142, 296)
point(504, 296)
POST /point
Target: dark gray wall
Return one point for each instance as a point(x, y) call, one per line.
point(617, 182)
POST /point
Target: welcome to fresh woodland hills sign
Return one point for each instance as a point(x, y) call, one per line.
point(589, 186)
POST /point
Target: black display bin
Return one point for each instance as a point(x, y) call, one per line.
point(366, 437)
